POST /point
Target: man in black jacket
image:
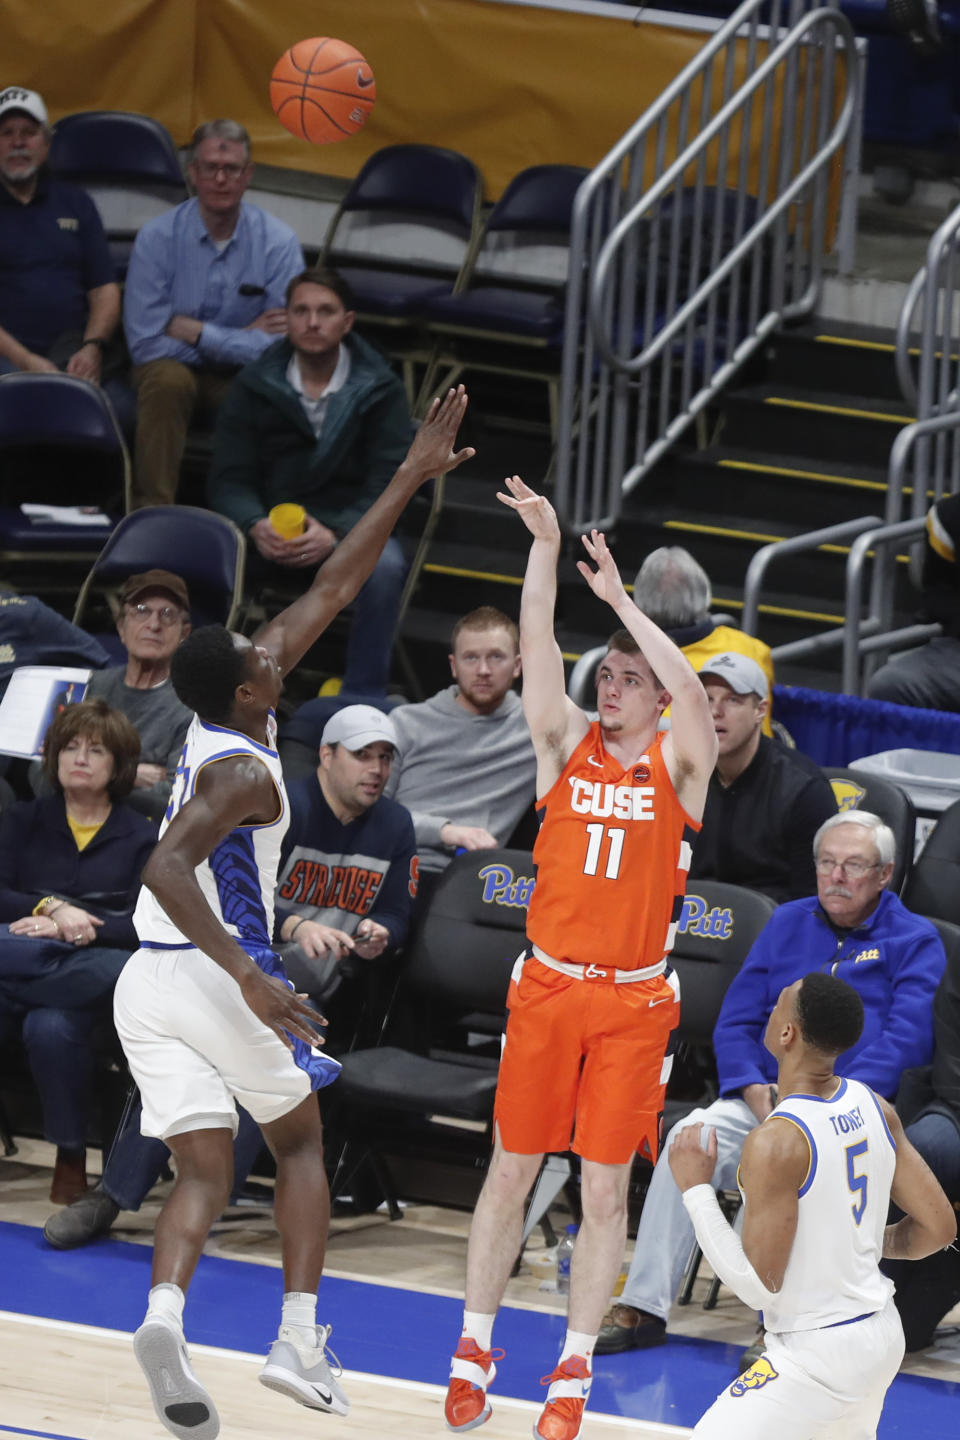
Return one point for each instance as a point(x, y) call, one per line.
point(765, 802)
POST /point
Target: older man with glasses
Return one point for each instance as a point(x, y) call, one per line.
point(154, 619)
point(854, 927)
point(204, 295)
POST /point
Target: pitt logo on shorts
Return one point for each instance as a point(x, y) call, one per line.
point(760, 1372)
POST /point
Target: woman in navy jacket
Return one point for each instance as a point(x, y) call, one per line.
point(69, 878)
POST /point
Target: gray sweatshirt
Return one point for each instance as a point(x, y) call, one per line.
point(461, 768)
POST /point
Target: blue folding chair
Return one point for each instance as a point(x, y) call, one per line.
point(205, 549)
point(404, 229)
point(507, 316)
point(61, 446)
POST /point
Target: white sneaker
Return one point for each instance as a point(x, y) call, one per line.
point(301, 1370)
point(181, 1402)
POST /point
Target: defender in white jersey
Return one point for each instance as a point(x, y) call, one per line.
point(817, 1178)
point(203, 1009)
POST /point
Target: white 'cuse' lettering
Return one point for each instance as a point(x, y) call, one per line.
point(621, 802)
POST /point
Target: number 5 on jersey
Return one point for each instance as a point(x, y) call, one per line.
point(857, 1183)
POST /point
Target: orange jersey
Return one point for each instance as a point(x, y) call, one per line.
point(612, 858)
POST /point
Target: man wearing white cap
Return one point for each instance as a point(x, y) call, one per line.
point(765, 801)
point(59, 297)
point(348, 867)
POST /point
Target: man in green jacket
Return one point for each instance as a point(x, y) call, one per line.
point(319, 420)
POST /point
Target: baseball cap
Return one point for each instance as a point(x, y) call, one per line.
point(743, 675)
point(14, 97)
point(358, 725)
point(155, 580)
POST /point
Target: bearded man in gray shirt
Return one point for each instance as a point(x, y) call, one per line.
point(465, 767)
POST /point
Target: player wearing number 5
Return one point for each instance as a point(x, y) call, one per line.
point(817, 1178)
point(592, 1000)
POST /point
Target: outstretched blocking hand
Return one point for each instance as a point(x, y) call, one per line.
point(432, 448)
point(534, 510)
point(605, 581)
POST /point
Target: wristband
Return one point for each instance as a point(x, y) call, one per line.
point(94, 340)
point(301, 921)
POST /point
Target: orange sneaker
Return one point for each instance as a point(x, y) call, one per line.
point(471, 1371)
point(562, 1416)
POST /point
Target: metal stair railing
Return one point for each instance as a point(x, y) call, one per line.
point(865, 639)
point(674, 282)
point(929, 376)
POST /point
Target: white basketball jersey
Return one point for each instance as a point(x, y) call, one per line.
point(239, 878)
point(832, 1275)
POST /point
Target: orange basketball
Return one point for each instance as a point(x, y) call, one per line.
point(322, 90)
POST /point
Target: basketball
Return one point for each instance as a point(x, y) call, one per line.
point(322, 90)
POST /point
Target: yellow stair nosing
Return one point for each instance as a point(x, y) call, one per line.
point(820, 408)
point(886, 345)
point(785, 470)
point(731, 534)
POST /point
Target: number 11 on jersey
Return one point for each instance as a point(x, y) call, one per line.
point(615, 838)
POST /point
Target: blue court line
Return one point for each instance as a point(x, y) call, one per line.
point(403, 1333)
point(34, 1434)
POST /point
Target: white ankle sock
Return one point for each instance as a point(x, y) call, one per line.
point(300, 1313)
point(577, 1343)
point(167, 1300)
point(478, 1327)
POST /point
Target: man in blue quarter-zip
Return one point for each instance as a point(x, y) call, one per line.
point(854, 928)
point(319, 420)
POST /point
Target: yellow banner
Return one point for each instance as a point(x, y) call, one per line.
point(508, 85)
point(124, 55)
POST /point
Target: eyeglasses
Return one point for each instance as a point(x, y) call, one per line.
point(854, 869)
point(166, 614)
point(210, 169)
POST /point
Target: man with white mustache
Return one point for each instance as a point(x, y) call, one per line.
point(854, 927)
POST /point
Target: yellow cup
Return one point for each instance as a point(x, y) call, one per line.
point(288, 520)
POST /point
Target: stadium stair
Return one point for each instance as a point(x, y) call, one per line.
point(800, 442)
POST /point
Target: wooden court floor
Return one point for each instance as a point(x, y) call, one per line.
point(84, 1384)
point(76, 1382)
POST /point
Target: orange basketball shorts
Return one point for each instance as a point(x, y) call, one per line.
point(585, 1064)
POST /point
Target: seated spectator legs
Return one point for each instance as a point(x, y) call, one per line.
point(168, 396)
point(375, 611)
point(132, 1168)
point(665, 1236)
point(927, 1289)
point(927, 678)
point(60, 1017)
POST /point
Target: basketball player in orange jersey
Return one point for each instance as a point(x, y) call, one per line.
point(592, 1000)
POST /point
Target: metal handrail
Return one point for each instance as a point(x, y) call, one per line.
point(599, 283)
point(795, 545)
point(902, 357)
point(654, 331)
point(855, 630)
point(932, 308)
point(873, 633)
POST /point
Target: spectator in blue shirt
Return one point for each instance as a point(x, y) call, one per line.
point(59, 297)
point(204, 295)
